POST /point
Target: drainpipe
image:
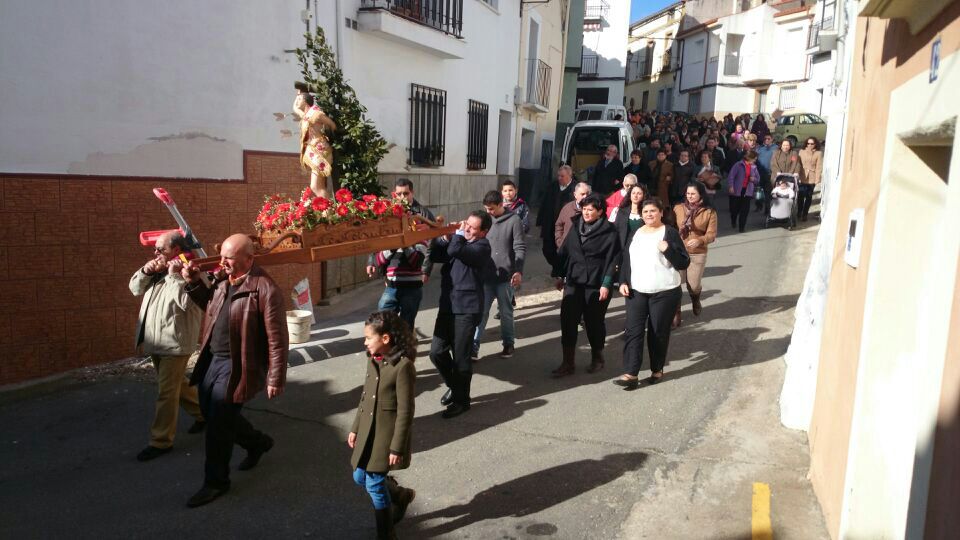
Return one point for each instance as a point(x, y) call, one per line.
point(336, 27)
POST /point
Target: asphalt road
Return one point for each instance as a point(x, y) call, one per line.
point(534, 457)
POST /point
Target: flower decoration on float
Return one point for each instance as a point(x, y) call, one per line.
point(282, 213)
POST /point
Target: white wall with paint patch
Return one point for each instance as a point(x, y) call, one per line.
point(173, 88)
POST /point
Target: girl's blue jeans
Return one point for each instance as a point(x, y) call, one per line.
point(376, 486)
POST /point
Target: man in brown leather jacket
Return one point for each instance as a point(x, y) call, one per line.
point(243, 348)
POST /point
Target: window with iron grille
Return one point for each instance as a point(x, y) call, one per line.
point(428, 119)
point(478, 117)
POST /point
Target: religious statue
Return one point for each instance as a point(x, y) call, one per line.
point(316, 153)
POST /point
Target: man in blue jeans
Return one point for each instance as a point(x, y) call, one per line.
point(508, 251)
point(405, 270)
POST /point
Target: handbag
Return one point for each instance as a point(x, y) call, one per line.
point(758, 195)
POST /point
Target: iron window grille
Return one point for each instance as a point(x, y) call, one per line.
point(428, 118)
point(478, 115)
point(588, 65)
point(538, 82)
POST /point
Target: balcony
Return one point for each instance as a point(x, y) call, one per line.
point(594, 13)
point(538, 85)
point(822, 38)
point(589, 66)
point(434, 26)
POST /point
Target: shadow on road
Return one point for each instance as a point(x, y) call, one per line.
point(530, 494)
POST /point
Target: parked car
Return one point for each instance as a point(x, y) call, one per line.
point(593, 111)
point(586, 141)
point(800, 125)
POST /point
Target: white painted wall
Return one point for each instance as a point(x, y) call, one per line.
point(180, 88)
point(381, 72)
point(119, 87)
point(803, 355)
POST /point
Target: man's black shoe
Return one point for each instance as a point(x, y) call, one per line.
point(507, 351)
point(455, 409)
point(207, 494)
point(197, 427)
point(447, 397)
point(152, 452)
point(253, 456)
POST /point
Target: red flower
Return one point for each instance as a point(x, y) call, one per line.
point(361, 206)
point(307, 194)
point(369, 198)
point(283, 207)
point(397, 210)
point(343, 195)
point(320, 204)
point(342, 210)
point(266, 207)
point(300, 212)
point(379, 207)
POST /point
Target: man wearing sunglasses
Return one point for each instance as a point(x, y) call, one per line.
point(167, 331)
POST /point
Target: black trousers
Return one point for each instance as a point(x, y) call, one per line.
point(549, 249)
point(739, 210)
point(225, 425)
point(649, 314)
point(450, 352)
point(583, 303)
point(804, 199)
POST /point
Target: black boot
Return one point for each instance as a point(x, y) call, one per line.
point(384, 525)
point(566, 365)
point(400, 498)
point(596, 362)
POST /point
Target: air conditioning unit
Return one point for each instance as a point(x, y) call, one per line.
point(828, 40)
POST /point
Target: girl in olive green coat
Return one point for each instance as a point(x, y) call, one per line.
point(380, 437)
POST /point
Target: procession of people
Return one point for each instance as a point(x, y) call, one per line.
point(640, 231)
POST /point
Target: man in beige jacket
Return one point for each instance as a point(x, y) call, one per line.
point(168, 328)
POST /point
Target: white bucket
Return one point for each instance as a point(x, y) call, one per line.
point(298, 325)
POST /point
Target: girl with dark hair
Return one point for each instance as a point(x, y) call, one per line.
point(380, 436)
point(650, 282)
point(742, 182)
point(697, 221)
point(589, 256)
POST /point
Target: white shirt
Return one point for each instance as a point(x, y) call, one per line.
point(650, 271)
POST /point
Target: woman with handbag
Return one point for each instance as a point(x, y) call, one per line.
point(811, 168)
point(742, 183)
point(650, 282)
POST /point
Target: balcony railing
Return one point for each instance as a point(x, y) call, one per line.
point(443, 15)
point(589, 64)
point(538, 83)
point(595, 11)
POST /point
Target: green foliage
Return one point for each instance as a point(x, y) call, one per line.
point(357, 145)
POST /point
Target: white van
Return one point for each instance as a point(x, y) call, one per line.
point(585, 143)
point(600, 112)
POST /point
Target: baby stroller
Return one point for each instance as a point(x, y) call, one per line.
point(783, 204)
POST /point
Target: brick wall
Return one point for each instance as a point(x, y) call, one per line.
point(69, 246)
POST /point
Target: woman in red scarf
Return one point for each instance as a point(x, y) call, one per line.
point(697, 221)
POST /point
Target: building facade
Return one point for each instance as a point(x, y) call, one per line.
point(603, 60)
point(652, 60)
point(112, 107)
point(885, 428)
point(542, 38)
point(745, 56)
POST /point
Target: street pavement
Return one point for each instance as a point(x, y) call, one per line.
point(535, 457)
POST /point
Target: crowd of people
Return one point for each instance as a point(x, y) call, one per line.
point(640, 230)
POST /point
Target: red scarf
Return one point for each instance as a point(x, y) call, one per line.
point(692, 210)
point(746, 177)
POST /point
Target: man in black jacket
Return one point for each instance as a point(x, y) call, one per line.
point(466, 259)
point(554, 198)
point(683, 172)
point(607, 173)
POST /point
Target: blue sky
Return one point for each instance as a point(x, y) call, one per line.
point(641, 8)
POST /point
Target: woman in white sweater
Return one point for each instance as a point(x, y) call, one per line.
point(650, 282)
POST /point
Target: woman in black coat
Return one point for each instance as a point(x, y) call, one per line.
point(590, 255)
point(650, 282)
